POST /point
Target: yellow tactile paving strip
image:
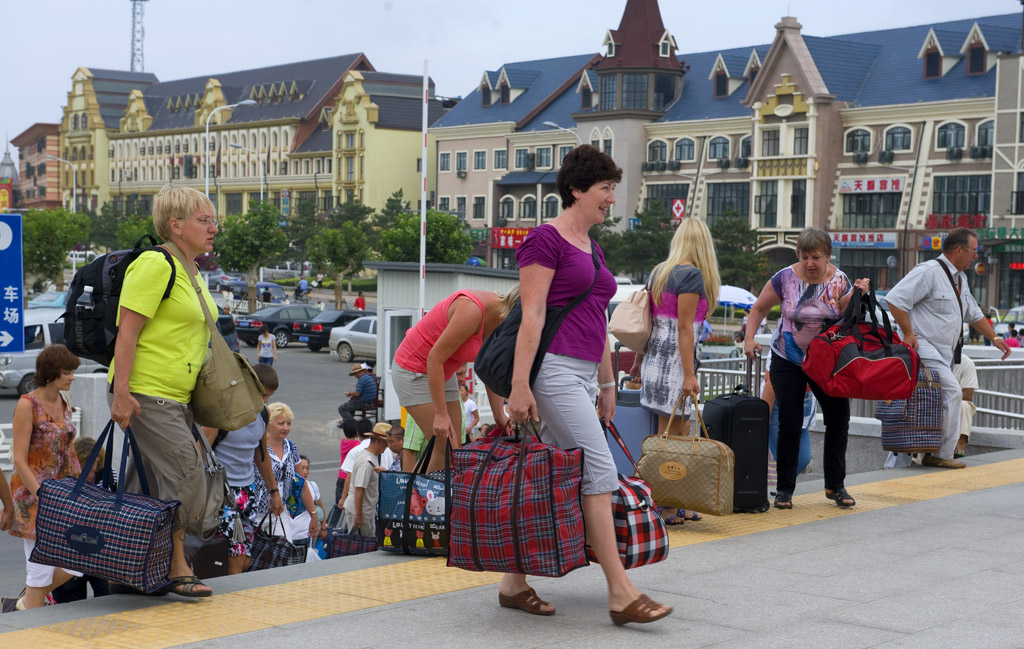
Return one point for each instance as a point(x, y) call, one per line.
point(179, 623)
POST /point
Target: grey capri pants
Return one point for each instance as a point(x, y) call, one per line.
point(565, 391)
point(173, 464)
point(412, 387)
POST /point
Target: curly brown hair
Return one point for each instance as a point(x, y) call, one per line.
point(52, 361)
point(583, 167)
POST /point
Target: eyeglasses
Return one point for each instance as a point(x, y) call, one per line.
point(206, 222)
point(973, 251)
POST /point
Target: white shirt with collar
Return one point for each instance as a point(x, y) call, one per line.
point(386, 458)
point(928, 297)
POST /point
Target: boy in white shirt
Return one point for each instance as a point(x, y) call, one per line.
point(364, 488)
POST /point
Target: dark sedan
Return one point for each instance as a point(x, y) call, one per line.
point(279, 320)
point(316, 332)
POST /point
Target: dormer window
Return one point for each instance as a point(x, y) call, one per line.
point(753, 75)
point(721, 85)
point(610, 51)
point(485, 96)
point(665, 51)
point(977, 59)
point(586, 98)
point(932, 64)
point(506, 93)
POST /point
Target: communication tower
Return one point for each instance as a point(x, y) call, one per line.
point(138, 35)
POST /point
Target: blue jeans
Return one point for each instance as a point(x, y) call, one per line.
point(266, 360)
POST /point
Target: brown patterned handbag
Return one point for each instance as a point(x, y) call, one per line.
point(690, 472)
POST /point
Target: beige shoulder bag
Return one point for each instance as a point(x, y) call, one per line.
point(691, 472)
point(228, 395)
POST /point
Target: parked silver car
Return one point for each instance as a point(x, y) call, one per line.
point(18, 370)
point(357, 339)
point(1014, 315)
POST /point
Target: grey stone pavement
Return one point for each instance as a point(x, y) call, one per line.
point(946, 572)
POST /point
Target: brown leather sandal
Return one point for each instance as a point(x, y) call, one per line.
point(641, 611)
point(525, 601)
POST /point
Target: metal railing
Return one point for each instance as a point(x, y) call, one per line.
point(999, 397)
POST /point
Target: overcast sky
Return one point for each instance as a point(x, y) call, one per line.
point(46, 40)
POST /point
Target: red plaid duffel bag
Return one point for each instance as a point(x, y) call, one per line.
point(516, 506)
point(639, 529)
point(861, 360)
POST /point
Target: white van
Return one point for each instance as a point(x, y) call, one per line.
point(18, 370)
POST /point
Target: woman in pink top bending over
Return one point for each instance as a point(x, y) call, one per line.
point(423, 373)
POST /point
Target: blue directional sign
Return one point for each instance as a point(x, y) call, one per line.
point(12, 281)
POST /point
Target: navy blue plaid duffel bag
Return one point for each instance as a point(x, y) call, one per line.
point(121, 537)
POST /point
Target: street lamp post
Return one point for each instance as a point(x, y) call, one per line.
point(245, 102)
point(567, 130)
point(263, 165)
point(74, 181)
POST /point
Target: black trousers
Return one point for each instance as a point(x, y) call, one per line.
point(790, 383)
point(348, 409)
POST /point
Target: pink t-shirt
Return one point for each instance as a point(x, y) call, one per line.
point(584, 331)
point(346, 446)
point(412, 353)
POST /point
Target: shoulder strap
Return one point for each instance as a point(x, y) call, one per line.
point(180, 256)
point(221, 434)
point(956, 291)
point(153, 246)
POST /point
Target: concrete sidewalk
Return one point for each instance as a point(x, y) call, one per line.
point(929, 558)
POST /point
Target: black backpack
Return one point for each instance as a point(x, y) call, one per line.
point(92, 335)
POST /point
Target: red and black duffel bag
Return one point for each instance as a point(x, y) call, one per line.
point(858, 359)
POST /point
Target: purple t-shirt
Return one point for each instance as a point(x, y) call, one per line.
point(585, 330)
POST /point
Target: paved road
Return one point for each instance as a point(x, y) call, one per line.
point(312, 384)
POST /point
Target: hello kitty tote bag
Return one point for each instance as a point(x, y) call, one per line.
point(411, 510)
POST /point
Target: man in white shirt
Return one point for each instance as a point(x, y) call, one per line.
point(361, 503)
point(930, 304)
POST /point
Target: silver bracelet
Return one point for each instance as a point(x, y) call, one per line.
point(602, 386)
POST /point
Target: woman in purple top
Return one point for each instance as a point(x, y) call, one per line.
point(556, 264)
point(813, 294)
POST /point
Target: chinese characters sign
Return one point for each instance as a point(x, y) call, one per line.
point(1001, 233)
point(863, 239)
point(12, 329)
point(508, 238)
point(950, 221)
point(865, 185)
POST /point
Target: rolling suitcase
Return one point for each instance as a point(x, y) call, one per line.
point(741, 422)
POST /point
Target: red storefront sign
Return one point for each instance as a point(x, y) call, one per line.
point(950, 221)
point(508, 238)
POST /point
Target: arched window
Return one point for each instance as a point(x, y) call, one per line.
point(81, 153)
point(897, 139)
point(745, 147)
point(273, 139)
point(950, 134)
point(684, 149)
point(263, 140)
point(657, 151)
point(85, 121)
point(528, 208)
point(985, 133)
point(506, 208)
point(74, 122)
point(718, 148)
point(858, 141)
point(551, 206)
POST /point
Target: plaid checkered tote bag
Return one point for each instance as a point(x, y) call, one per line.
point(516, 506)
point(121, 537)
point(639, 530)
point(913, 425)
point(271, 550)
point(344, 544)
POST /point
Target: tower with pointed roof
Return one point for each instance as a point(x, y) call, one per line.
point(639, 77)
point(8, 180)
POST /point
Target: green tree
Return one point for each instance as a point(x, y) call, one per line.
point(47, 236)
point(351, 212)
point(340, 252)
point(131, 228)
point(447, 239)
point(637, 251)
point(303, 224)
point(251, 240)
point(387, 218)
point(739, 262)
point(103, 233)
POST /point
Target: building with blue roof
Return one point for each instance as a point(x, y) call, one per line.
point(886, 138)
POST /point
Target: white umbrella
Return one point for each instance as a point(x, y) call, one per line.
point(736, 297)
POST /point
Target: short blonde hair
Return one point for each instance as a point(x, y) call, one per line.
point(176, 202)
point(280, 408)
